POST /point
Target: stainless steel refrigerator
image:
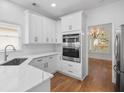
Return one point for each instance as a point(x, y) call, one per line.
point(119, 56)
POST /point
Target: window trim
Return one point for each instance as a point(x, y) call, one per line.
point(7, 24)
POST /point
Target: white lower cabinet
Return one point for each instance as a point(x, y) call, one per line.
point(48, 63)
point(42, 87)
point(71, 68)
point(37, 62)
point(59, 66)
point(53, 63)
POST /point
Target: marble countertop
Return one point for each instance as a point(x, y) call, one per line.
point(22, 77)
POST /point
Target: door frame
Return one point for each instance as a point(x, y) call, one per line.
point(112, 45)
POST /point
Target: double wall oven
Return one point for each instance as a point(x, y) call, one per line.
point(71, 47)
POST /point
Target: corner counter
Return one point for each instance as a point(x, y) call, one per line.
point(25, 77)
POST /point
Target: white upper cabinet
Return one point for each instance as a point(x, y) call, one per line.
point(77, 21)
point(39, 29)
point(66, 23)
point(34, 28)
point(49, 30)
point(72, 22)
point(58, 32)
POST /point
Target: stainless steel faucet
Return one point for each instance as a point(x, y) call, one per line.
point(5, 52)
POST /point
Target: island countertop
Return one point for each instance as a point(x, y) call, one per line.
point(22, 77)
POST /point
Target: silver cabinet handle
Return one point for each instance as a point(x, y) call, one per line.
point(47, 39)
point(36, 39)
point(70, 27)
point(45, 65)
point(70, 71)
point(40, 60)
point(69, 65)
point(50, 57)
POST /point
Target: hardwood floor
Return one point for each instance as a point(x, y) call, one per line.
point(98, 80)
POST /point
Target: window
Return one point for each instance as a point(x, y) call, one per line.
point(9, 35)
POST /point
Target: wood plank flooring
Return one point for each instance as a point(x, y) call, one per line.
point(98, 80)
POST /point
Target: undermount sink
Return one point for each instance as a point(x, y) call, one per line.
point(16, 61)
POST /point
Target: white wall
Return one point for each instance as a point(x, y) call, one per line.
point(112, 13)
point(107, 14)
point(14, 14)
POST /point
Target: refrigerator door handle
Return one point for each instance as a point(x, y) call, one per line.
point(116, 47)
point(116, 69)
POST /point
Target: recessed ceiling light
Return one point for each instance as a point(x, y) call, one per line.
point(53, 5)
point(35, 4)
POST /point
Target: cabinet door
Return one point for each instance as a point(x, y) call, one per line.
point(52, 64)
point(52, 30)
point(49, 30)
point(37, 62)
point(76, 21)
point(72, 22)
point(58, 32)
point(66, 23)
point(72, 68)
point(47, 26)
point(40, 32)
point(36, 28)
point(44, 66)
point(32, 25)
point(59, 63)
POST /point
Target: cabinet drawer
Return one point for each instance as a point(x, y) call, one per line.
point(40, 60)
point(71, 68)
point(37, 62)
point(50, 58)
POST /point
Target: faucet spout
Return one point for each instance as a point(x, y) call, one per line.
point(5, 51)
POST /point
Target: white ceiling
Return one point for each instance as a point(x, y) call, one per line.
point(63, 6)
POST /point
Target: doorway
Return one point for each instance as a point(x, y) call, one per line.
point(100, 54)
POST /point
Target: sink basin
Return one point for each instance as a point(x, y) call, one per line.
point(16, 61)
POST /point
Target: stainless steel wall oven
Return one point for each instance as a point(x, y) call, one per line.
point(71, 47)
